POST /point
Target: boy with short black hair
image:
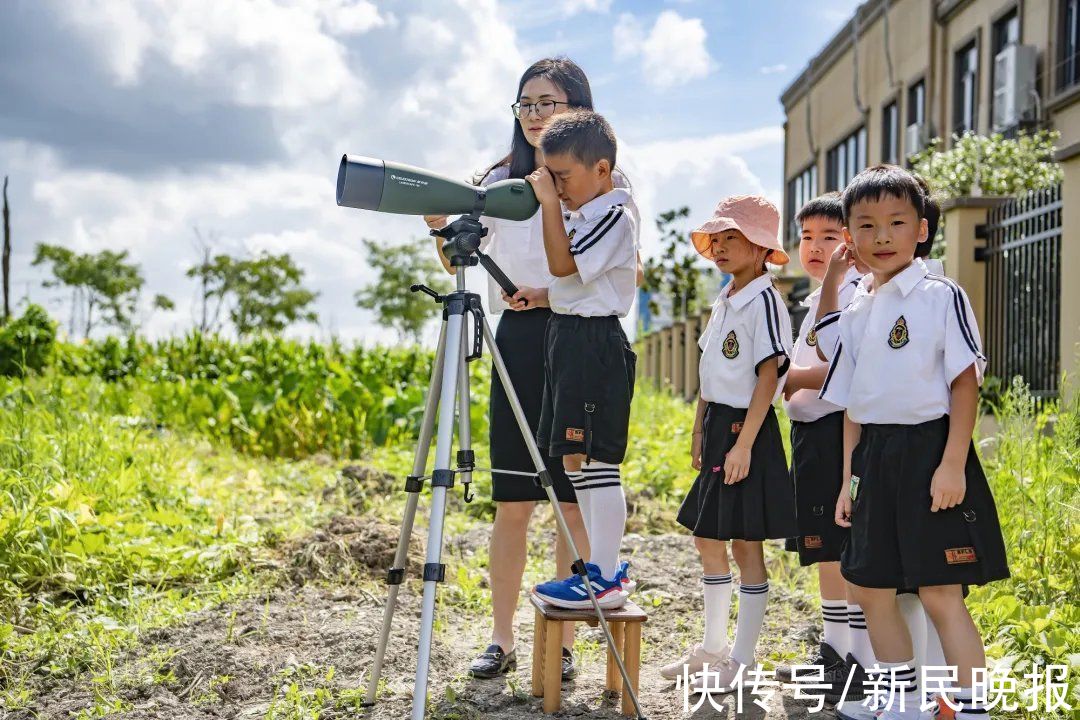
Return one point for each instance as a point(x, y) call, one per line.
point(589, 368)
point(907, 368)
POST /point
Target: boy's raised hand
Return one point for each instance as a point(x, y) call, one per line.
point(543, 185)
point(948, 487)
point(839, 262)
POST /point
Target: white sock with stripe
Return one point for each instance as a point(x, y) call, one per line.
point(858, 638)
point(834, 619)
point(717, 592)
point(752, 602)
point(606, 522)
point(970, 709)
point(904, 688)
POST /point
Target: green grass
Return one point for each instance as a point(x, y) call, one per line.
point(141, 482)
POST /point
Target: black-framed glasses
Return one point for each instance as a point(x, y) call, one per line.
point(544, 108)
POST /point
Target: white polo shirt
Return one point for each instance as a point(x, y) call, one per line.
point(604, 241)
point(517, 246)
point(805, 405)
point(827, 331)
point(744, 330)
point(901, 347)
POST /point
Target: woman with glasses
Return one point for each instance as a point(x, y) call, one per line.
point(547, 88)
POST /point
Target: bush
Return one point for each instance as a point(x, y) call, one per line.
point(26, 343)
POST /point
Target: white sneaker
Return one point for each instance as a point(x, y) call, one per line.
point(855, 710)
point(693, 661)
point(723, 678)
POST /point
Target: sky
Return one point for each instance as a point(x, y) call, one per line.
point(130, 124)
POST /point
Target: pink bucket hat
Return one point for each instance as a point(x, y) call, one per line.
point(753, 216)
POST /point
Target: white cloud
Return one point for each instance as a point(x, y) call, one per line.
point(772, 69)
point(672, 52)
point(573, 7)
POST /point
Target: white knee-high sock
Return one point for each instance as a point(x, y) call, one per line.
point(607, 515)
point(859, 638)
point(717, 592)
point(915, 619)
point(834, 618)
point(752, 602)
point(970, 709)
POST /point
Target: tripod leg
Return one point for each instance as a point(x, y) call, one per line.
point(465, 461)
point(413, 487)
point(560, 520)
point(442, 478)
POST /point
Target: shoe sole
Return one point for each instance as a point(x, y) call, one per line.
point(611, 600)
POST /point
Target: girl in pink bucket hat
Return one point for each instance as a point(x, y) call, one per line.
point(743, 493)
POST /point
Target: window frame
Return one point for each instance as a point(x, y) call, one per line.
point(970, 48)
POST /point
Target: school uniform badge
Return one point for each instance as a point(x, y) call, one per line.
point(811, 337)
point(731, 346)
point(898, 336)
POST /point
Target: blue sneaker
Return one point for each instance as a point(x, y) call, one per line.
point(570, 593)
point(623, 576)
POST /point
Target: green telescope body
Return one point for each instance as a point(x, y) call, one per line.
point(369, 184)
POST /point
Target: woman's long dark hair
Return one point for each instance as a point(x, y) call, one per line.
point(568, 76)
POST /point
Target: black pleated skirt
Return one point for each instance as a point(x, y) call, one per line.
point(520, 339)
point(760, 507)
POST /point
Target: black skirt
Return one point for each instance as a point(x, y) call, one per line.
point(896, 541)
point(760, 507)
point(520, 339)
point(817, 468)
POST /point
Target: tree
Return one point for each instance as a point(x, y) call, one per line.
point(105, 282)
point(676, 271)
point(212, 287)
point(266, 292)
point(163, 302)
point(996, 165)
point(398, 267)
point(7, 255)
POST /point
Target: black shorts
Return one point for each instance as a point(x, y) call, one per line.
point(895, 541)
point(761, 506)
point(520, 339)
point(588, 386)
point(817, 468)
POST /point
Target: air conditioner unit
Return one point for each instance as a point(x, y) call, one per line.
point(1014, 85)
point(913, 139)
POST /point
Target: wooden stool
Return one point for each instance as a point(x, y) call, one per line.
point(625, 624)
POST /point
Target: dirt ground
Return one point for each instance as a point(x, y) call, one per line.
point(242, 660)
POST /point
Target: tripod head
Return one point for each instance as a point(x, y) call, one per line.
point(462, 246)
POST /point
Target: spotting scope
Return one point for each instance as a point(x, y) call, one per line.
point(369, 184)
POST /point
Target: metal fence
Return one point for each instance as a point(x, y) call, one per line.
point(1023, 290)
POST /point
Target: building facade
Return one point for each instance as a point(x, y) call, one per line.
point(901, 72)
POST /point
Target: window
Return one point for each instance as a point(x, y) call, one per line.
point(846, 159)
point(966, 95)
point(916, 103)
point(1068, 62)
point(800, 190)
point(1006, 32)
point(890, 133)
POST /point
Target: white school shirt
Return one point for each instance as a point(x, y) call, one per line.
point(604, 242)
point(805, 405)
point(901, 347)
point(517, 246)
point(827, 331)
point(743, 331)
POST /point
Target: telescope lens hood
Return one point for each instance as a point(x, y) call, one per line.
point(360, 182)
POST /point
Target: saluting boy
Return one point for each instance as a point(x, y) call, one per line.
point(907, 368)
point(589, 368)
point(817, 450)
